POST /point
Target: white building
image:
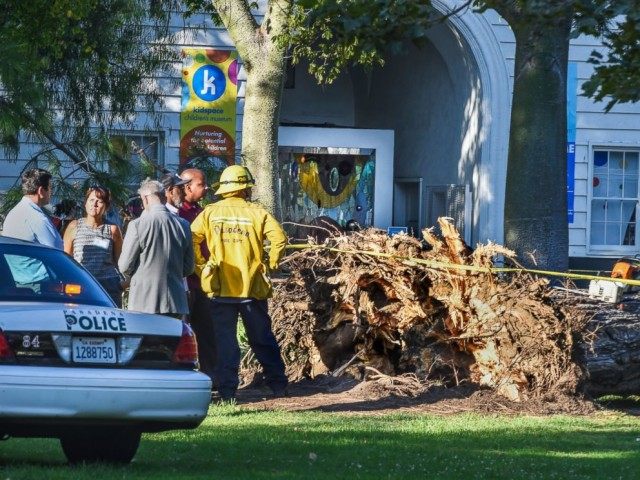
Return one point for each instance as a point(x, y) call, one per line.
point(437, 120)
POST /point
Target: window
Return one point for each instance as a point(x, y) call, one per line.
point(614, 198)
point(39, 274)
point(135, 145)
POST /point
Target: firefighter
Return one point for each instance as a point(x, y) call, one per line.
point(236, 278)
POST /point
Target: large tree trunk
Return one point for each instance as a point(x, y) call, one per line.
point(260, 127)
point(264, 61)
point(611, 353)
point(535, 222)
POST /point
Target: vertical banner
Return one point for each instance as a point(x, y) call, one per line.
point(208, 110)
point(572, 107)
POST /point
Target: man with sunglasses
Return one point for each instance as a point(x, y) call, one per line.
point(174, 191)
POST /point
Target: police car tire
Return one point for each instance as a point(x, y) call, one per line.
point(109, 446)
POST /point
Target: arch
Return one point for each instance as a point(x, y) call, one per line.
point(489, 178)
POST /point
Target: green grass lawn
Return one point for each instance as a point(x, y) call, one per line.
point(236, 443)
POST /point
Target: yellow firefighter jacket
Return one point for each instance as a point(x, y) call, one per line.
point(235, 231)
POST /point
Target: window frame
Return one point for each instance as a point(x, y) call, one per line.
point(609, 250)
point(158, 134)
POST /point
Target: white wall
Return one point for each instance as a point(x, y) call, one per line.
point(431, 125)
point(618, 128)
point(441, 111)
point(310, 103)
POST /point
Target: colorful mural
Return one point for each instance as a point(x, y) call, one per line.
point(335, 186)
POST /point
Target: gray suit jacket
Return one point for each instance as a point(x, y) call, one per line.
point(157, 253)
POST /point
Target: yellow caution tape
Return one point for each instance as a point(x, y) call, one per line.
point(455, 266)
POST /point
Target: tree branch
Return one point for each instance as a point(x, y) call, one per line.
point(49, 136)
point(507, 9)
point(457, 10)
point(237, 18)
point(275, 18)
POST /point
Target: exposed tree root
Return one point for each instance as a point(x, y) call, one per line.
point(362, 309)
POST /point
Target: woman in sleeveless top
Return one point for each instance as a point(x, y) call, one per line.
point(95, 244)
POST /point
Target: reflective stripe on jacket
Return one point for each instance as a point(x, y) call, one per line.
point(235, 231)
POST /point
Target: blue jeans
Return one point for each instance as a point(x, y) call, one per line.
point(257, 324)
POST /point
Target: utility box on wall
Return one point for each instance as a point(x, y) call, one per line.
point(453, 201)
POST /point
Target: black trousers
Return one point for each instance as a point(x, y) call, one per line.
point(202, 325)
point(257, 324)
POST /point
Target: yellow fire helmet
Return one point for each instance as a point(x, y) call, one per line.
point(234, 178)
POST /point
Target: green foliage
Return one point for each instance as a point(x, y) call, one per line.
point(331, 35)
point(69, 70)
point(616, 77)
point(202, 6)
point(207, 7)
point(64, 61)
point(109, 166)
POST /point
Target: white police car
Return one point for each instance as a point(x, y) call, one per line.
point(74, 367)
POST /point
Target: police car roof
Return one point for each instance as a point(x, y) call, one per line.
point(16, 241)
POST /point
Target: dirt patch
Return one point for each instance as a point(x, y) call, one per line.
point(328, 394)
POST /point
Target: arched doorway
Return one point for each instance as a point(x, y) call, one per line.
point(447, 103)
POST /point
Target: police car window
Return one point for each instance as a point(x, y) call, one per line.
point(46, 275)
point(26, 271)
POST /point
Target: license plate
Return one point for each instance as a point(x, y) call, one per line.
point(93, 350)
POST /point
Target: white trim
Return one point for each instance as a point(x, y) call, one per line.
point(159, 134)
point(608, 251)
point(489, 180)
point(379, 140)
point(467, 213)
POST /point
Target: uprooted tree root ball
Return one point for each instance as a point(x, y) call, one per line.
point(355, 305)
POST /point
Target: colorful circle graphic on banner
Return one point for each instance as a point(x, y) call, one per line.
point(205, 141)
point(209, 83)
point(218, 56)
point(233, 72)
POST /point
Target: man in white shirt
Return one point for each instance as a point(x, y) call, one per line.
point(174, 191)
point(27, 220)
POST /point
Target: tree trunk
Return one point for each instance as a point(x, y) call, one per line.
point(260, 127)
point(264, 63)
point(535, 223)
point(611, 354)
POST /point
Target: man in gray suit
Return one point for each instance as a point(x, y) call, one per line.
point(157, 253)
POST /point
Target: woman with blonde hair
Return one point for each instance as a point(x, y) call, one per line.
point(96, 244)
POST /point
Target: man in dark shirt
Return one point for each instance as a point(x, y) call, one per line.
point(195, 188)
